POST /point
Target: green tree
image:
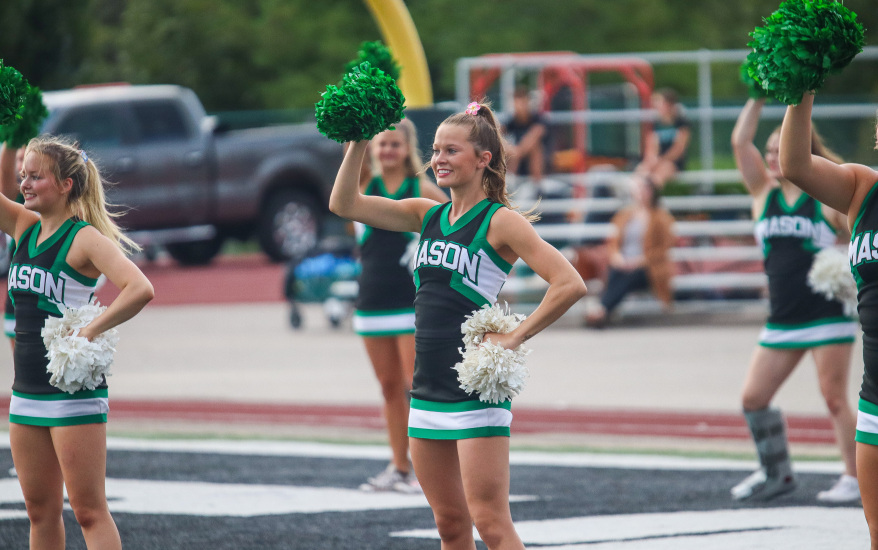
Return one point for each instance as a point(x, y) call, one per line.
point(47, 40)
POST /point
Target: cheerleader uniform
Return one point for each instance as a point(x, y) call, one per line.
point(386, 295)
point(41, 284)
point(863, 255)
point(790, 236)
point(456, 272)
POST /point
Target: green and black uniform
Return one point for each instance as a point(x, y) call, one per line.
point(42, 284)
point(863, 255)
point(456, 272)
point(790, 237)
point(386, 293)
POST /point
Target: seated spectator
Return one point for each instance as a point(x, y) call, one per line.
point(666, 146)
point(526, 134)
point(638, 253)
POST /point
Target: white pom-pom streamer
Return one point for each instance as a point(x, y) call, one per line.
point(74, 362)
point(497, 374)
point(830, 275)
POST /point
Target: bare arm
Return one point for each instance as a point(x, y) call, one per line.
point(842, 187)
point(348, 202)
point(651, 148)
point(530, 139)
point(678, 148)
point(747, 156)
point(8, 177)
point(512, 233)
point(95, 253)
point(430, 190)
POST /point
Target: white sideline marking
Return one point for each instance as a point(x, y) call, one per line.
point(757, 528)
point(376, 452)
point(138, 496)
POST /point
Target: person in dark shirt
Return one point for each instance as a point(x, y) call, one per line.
point(665, 150)
point(526, 135)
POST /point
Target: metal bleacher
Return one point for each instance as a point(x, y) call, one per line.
point(718, 264)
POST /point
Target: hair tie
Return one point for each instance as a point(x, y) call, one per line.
point(473, 108)
point(83, 155)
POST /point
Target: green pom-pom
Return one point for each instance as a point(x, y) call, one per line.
point(13, 88)
point(802, 43)
point(378, 56)
point(33, 112)
point(754, 88)
point(366, 103)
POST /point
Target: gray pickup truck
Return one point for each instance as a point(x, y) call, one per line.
point(186, 183)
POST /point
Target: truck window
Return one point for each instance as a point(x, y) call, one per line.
point(93, 126)
point(159, 121)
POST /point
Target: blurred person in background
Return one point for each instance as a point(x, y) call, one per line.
point(800, 320)
point(638, 253)
point(526, 134)
point(385, 311)
point(667, 144)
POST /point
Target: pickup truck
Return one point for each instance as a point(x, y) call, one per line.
point(183, 181)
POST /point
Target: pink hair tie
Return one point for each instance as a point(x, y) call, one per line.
point(473, 108)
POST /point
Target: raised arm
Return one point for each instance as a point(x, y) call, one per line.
point(747, 156)
point(841, 187)
point(14, 218)
point(511, 232)
point(348, 202)
point(8, 175)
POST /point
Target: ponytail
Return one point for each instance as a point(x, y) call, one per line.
point(485, 135)
point(86, 199)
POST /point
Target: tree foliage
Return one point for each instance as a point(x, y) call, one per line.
point(262, 54)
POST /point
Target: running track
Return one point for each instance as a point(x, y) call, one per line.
point(254, 279)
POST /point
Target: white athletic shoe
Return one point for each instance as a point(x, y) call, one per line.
point(392, 479)
point(758, 486)
point(846, 489)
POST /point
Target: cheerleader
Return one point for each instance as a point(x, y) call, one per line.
point(66, 240)
point(460, 444)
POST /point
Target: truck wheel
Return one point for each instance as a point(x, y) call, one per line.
point(289, 226)
point(196, 252)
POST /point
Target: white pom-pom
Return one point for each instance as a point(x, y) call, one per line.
point(74, 362)
point(497, 374)
point(830, 275)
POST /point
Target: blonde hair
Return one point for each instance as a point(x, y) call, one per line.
point(413, 160)
point(86, 199)
point(485, 135)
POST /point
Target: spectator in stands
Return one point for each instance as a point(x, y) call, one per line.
point(638, 253)
point(526, 134)
point(800, 320)
point(666, 146)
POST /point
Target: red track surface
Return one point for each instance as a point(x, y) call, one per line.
point(575, 421)
point(228, 280)
point(252, 278)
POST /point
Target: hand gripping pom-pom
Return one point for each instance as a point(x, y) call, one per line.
point(378, 56)
point(18, 133)
point(754, 88)
point(802, 43)
point(365, 104)
point(74, 362)
point(830, 275)
point(13, 88)
point(495, 373)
